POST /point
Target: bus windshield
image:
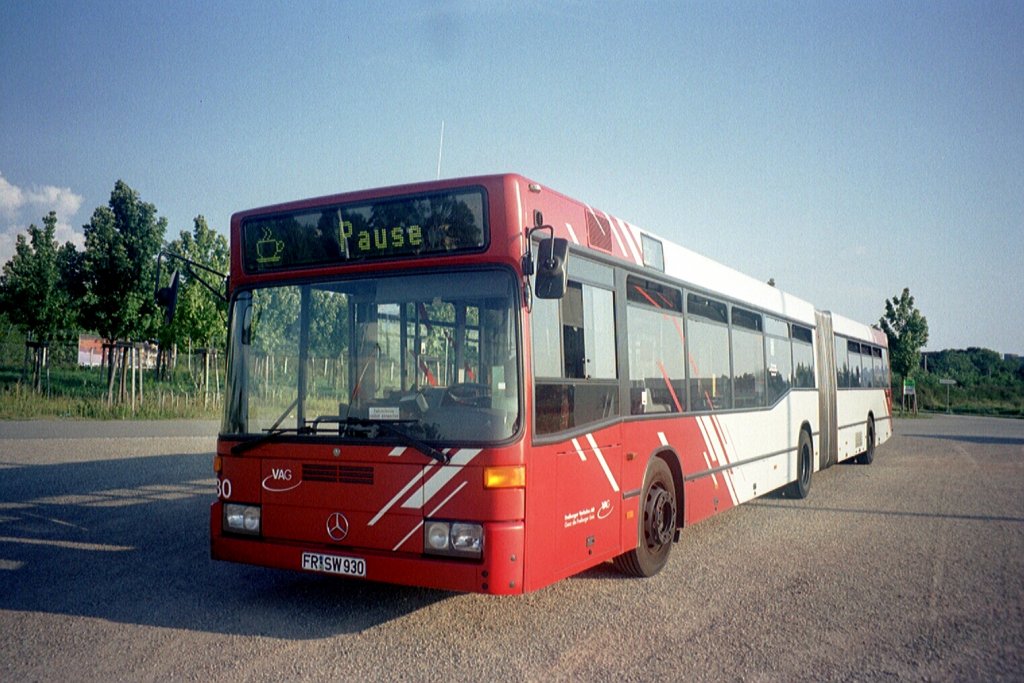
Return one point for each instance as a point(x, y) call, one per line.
point(433, 357)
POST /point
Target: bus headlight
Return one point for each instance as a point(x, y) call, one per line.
point(459, 539)
point(242, 519)
point(467, 538)
point(437, 537)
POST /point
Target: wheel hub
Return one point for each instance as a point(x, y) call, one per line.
point(659, 517)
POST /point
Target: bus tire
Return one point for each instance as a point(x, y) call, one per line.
point(868, 456)
point(804, 466)
point(658, 514)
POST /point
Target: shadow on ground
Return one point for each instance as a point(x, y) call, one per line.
point(127, 540)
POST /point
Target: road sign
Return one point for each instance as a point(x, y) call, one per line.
point(949, 383)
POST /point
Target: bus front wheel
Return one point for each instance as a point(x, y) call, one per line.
point(658, 514)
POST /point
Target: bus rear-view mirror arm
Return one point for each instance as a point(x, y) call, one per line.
point(167, 297)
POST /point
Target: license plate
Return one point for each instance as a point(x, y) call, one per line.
point(334, 564)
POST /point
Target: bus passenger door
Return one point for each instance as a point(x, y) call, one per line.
point(576, 411)
point(588, 499)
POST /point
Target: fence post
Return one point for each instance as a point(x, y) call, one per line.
point(131, 359)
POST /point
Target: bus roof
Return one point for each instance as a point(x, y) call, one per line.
point(679, 263)
point(855, 330)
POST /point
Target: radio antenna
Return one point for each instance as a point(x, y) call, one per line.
point(440, 148)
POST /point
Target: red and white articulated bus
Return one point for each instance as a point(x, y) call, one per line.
point(483, 385)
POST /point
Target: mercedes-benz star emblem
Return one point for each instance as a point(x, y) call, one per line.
point(337, 526)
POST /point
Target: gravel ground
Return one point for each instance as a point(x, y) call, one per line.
point(909, 569)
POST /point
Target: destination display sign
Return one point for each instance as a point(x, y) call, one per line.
point(418, 226)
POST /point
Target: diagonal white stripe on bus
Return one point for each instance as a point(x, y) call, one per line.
point(718, 453)
point(618, 239)
point(419, 525)
point(604, 465)
point(579, 450)
point(729, 475)
point(443, 475)
point(714, 478)
point(631, 251)
point(572, 233)
point(433, 512)
point(398, 496)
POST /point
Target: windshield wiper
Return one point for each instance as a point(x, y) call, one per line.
point(272, 433)
point(392, 427)
point(410, 440)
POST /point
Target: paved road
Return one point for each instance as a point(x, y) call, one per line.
point(909, 569)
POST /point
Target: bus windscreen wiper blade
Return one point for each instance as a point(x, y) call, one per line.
point(270, 434)
point(394, 428)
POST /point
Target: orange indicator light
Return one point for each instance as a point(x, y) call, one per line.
point(506, 477)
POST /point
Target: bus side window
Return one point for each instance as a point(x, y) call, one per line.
point(803, 357)
point(575, 369)
point(573, 334)
point(588, 332)
point(707, 344)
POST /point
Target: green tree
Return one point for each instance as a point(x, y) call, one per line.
point(907, 331)
point(973, 366)
point(33, 289)
point(121, 244)
point(200, 316)
point(69, 269)
point(30, 287)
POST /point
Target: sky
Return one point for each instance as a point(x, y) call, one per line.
point(847, 150)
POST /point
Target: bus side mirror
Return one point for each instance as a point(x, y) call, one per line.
point(552, 270)
point(167, 297)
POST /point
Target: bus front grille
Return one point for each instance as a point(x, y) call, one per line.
point(337, 474)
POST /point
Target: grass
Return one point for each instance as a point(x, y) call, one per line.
point(81, 393)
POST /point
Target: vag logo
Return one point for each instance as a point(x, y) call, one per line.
point(280, 480)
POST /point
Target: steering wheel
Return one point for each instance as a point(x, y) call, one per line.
point(466, 393)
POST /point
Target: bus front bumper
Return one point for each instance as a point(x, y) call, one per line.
point(499, 571)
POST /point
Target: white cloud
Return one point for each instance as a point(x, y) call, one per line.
point(19, 207)
point(60, 199)
point(7, 242)
point(11, 198)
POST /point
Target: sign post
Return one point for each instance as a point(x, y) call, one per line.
point(949, 383)
point(910, 389)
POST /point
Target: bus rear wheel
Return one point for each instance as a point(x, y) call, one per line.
point(804, 466)
point(659, 512)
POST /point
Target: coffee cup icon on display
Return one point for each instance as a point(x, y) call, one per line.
point(268, 249)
